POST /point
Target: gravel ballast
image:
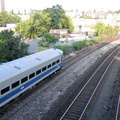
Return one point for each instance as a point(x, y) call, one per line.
point(39, 102)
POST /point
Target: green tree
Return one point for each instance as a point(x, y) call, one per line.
point(79, 45)
point(69, 23)
point(22, 28)
point(64, 48)
point(8, 18)
point(37, 25)
point(2, 51)
point(41, 22)
point(86, 17)
point(49, 38)
point(100, 28)
point(58, 18)
point(11, 46)
point(55, 13)
point(109, 31)
point(116, 29)
point(110, 12)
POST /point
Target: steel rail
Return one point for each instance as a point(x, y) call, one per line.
point(76, 59)
point(97, 86)
point(86, 85)
point(118, 108)
point(90, 51)
point(6, 106)
point(78, 55)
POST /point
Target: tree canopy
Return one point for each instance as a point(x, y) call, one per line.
point(47, 40)
point(58, 18)
point(40, 23)
point(11, 46)
point(57, 14)
point(36, 26)
point(8, 18)
point(100, 28)
point(106, 30)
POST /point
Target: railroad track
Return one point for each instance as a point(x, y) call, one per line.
point(114, 113)
point(77, 109)
point(66, 63)
point(117, 117)
point(80, 55)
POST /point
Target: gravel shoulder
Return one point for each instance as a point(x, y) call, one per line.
point(106, 94)
point(40, 101)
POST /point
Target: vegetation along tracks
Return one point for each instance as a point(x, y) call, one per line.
point(78, 107)
point(36, 88)
point(80, 55)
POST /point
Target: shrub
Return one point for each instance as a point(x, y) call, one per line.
point(96, 39)
point(64, 48)
point(42, 48)
point(79, 45)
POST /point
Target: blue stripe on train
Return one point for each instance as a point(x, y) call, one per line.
point(28, 84)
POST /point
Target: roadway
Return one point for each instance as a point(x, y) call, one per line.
point(33, 44)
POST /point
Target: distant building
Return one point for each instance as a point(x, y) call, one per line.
point(20, 11)
point(2, 5)
point(24, 17)
point(59, 33)
point(8, 27)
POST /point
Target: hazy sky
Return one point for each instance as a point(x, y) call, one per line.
point(66, 4)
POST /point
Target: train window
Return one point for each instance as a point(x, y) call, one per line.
point(31, 75)
point(49, 65)
point(24, 79)
point(44, 68)
point(38, 72)
point(5, 90)
point(15, 84)
point(58, 61)
point(53, 63)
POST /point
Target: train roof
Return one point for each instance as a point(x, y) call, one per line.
point(14, 67)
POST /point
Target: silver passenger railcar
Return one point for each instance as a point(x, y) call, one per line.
point(21, 74)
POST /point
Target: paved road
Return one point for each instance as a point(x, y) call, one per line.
point(33, 45)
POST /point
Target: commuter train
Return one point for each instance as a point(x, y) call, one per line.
point(19, 75)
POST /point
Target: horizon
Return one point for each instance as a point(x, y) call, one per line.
point(36, 4)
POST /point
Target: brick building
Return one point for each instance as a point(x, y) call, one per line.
point(59, 33)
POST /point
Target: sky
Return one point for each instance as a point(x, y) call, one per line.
point(66, 4)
